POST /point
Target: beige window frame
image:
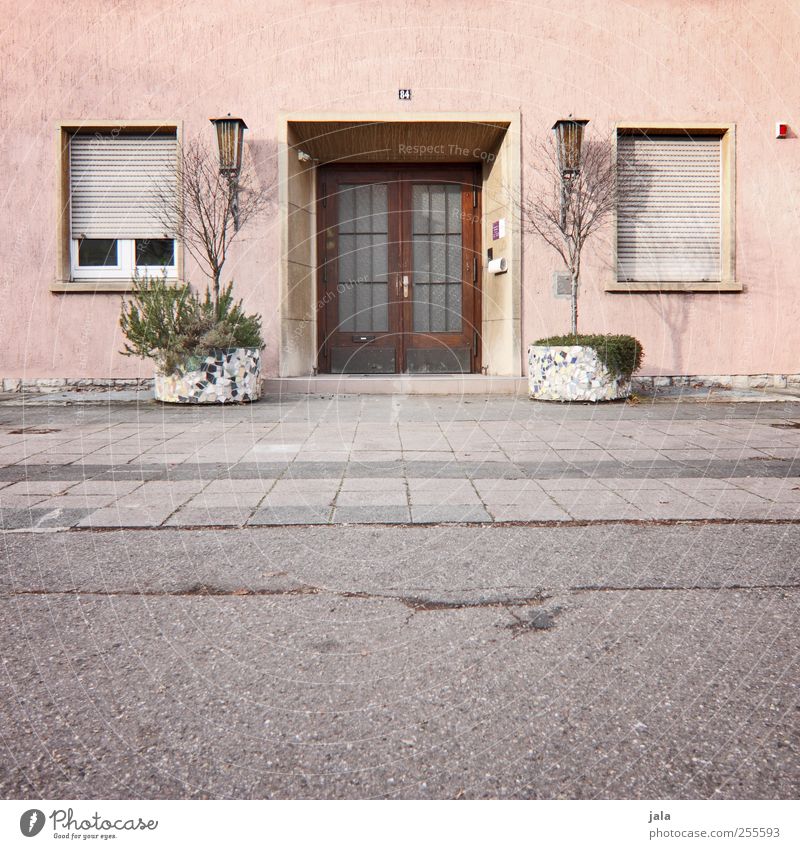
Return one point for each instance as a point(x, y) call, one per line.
point(727, 282)
point(64, 280)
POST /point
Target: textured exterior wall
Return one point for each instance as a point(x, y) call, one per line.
point(607, 60)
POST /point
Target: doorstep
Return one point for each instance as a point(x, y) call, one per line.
point(396, 384)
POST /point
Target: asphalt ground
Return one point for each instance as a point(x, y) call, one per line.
point(459, 661)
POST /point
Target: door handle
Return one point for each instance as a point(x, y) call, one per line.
point(405, 285)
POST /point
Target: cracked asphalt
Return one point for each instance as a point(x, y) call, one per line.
point(456, 661)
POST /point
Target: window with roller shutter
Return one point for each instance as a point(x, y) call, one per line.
point(671, 216)
point(117, 182)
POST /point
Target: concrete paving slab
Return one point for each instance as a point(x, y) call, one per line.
point(117, 488)
point(40, 518)
point(544, 511)
point(441, 513)
point(235, 486)
point(12, 501)
point(354, 484)
point(376, 514)
point(219, 516)
point(374, 498)
point(291, 515)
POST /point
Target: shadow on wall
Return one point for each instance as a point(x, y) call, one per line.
point(264, 156)
point(675, 312)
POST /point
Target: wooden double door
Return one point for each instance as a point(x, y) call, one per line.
point(399, 270)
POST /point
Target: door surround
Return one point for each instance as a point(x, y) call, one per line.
point(302, 148)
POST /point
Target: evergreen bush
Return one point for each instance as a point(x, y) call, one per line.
point(620, 354)
point(170, 324)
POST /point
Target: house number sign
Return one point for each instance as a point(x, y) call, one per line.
point(404, 94)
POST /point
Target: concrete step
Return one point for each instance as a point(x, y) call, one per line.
point(396, 384)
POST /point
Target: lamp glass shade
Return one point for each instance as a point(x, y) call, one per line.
point(569, 139)
point(230, 138)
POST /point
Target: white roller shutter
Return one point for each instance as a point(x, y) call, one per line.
point(115, 182)
point(669, 223)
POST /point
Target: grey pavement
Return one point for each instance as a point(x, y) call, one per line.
point(396, 460)
point(400, 598)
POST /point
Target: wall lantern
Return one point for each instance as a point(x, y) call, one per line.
point(569, 138)
point(230, 139)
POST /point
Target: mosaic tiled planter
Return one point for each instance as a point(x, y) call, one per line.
point(220, 377)
point(572, 373)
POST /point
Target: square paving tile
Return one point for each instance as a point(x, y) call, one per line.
point(389, 514)
point(375, 470)
point(546, 512)
point(315, 456)
point(354, 484)
point(301, 500)
point(297, 515)
point(414, 454)
point(528, 498)
point(37, 487)
point(163, 502)
point(775, 489)
point(156, 494)
point(12, 501)
point(461, 497)
point(443, 486)
point(293, 486)
point(113, 517)
point(730, 498)
point(783, 511)
point(565, 484)
point(104, 487)
point(15, 519)
point(217, 500)
point(695, 485)
point(80, 502)
point(376, 497)
point(238, 485)
point(600, 512)
point(634, 484)
point(681, 511)
point(649, 497)
point(437, 514)
point(587, 496)
point(229, 516)
point(314, 471)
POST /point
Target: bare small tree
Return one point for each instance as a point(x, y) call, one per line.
point(566, 210)
point(210, 208)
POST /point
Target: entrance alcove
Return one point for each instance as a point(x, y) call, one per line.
point(392, 151)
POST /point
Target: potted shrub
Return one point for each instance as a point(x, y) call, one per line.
point(577, 194)
point(206, 350)
point(582, 367)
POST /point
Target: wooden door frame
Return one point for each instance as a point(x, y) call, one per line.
point(405, 174)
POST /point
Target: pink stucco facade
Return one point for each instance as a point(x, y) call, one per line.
point(673, 61)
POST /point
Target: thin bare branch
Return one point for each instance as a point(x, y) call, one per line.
point(566, 212)
point(200, 210)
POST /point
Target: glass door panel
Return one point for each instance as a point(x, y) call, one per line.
point(363, 286)
point(437, 258)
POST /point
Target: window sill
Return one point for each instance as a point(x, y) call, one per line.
point(679, 286)
point(96, 286)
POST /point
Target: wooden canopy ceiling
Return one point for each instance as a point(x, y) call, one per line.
point(397, 141)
